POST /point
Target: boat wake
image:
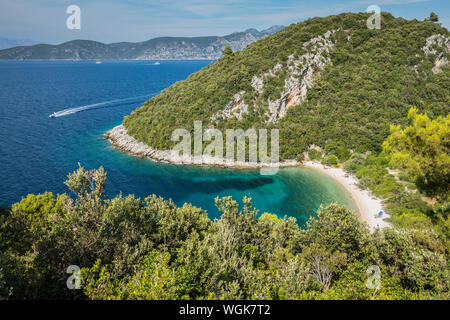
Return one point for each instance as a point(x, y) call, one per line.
point(110, 103)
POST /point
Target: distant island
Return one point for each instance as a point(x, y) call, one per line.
point(162, 48)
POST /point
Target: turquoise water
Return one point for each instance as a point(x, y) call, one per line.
point(37, 152)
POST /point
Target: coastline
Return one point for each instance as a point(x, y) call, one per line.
point(367, 204)
point(120, 139)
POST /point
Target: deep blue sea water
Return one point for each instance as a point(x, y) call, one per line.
point(37, 152)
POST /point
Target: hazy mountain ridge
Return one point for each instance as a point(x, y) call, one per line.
point(162, 48)
point(6, 43)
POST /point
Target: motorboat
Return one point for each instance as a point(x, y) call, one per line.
point(52, 115)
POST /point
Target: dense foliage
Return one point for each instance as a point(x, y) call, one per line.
point(375, 77)
point(420, 153)
point(423, 148)
point(130, 248)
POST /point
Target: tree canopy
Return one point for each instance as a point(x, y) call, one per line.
point(423, 148)
point(227, 51)
point(434, 17)
point(131, 248)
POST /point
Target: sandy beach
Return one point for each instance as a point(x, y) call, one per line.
point(367, 204)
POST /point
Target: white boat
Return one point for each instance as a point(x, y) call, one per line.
point(98, 62)
point(157, 63)
point(52, 115)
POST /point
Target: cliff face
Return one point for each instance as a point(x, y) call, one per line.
point(166, 48)
point(300, 73)
point(438, 45)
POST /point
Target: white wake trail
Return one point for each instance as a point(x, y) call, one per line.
point(109, 103)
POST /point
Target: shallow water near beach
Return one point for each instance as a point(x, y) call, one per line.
point(37, 152)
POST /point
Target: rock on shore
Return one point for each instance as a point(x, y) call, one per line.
point(121, 140)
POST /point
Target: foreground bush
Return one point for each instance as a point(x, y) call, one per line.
point(129, 248)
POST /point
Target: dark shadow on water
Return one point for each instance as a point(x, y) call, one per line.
point(223, 184)
point(181, 189)
point(212, 186)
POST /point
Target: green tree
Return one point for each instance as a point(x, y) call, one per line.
point(336, 228)
point(314, 154)
point(154, 280)
point(352, 164)
point(422, 148)
point(227, 51)
point(29, 218)
point(434, 17)
point(331, 160)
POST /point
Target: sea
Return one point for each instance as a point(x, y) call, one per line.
point(89, 98)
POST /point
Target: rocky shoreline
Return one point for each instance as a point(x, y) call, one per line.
point(120, 139)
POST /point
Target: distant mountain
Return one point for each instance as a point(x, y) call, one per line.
point(6, 43)
point(163, 48)
point(265, 32)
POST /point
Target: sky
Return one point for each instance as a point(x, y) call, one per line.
point(139, 20)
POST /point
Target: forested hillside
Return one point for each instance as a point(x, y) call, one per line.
point(328, 81)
